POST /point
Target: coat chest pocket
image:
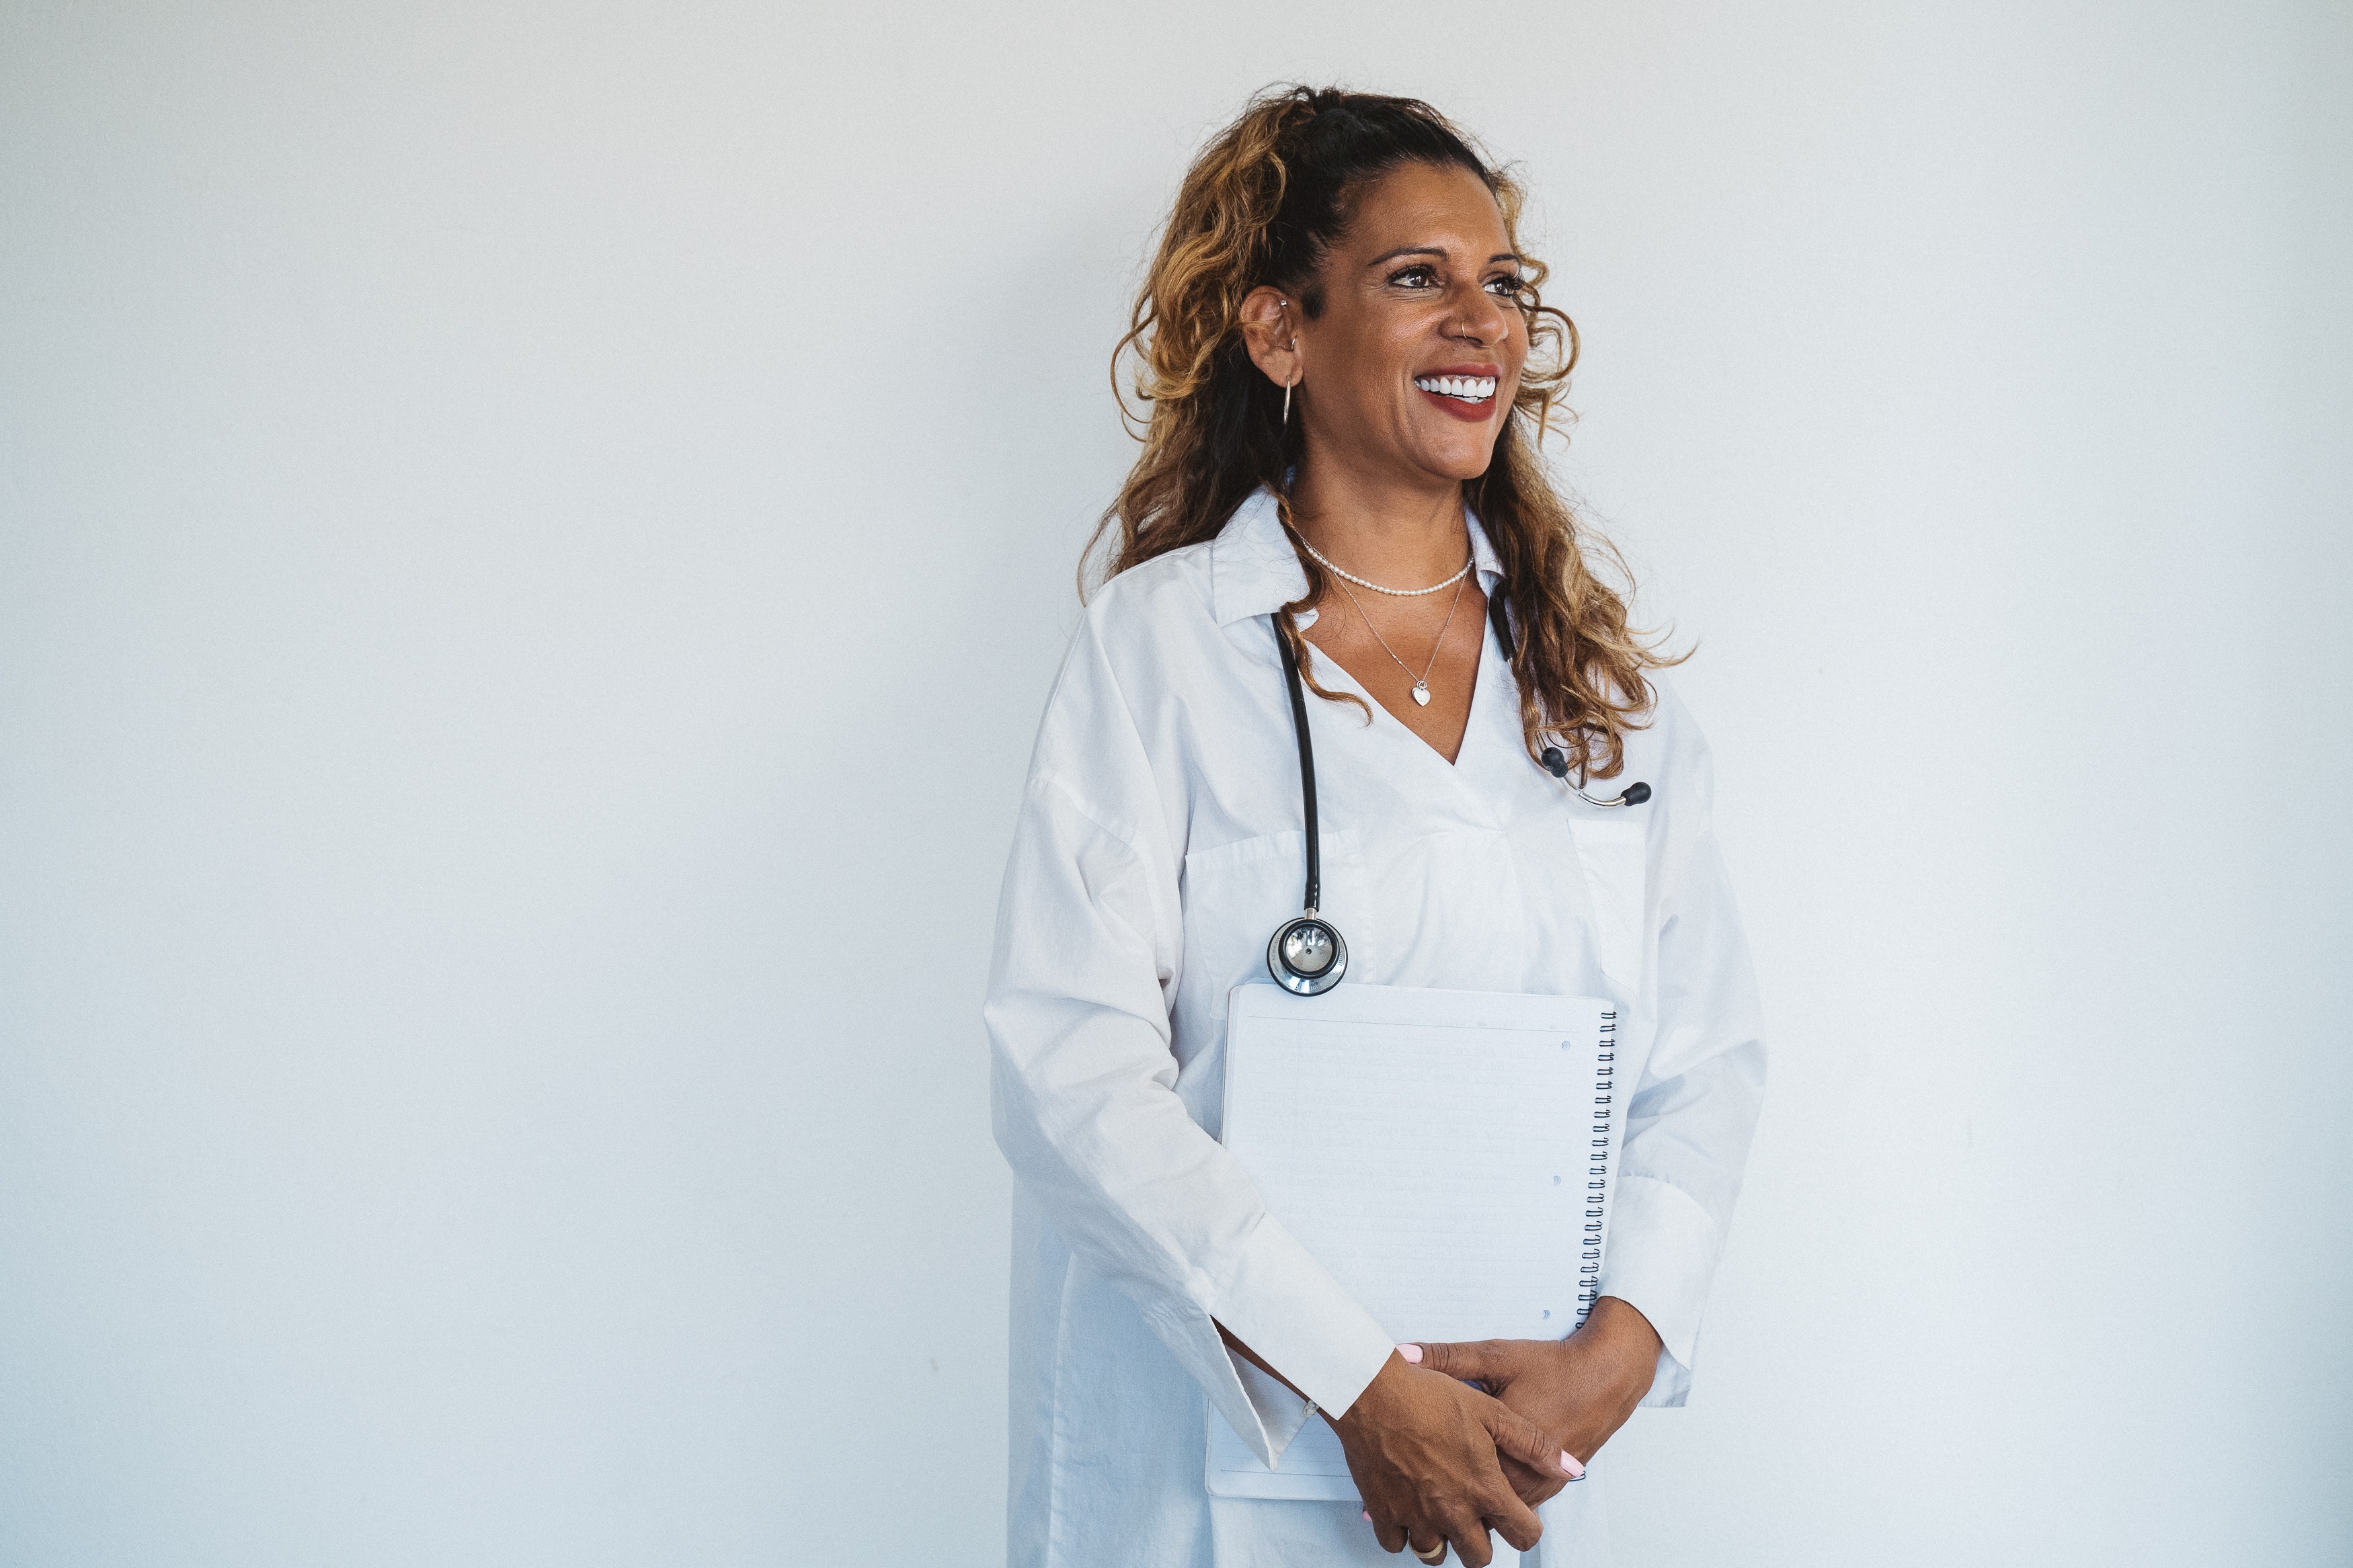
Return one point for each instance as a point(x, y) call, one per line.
point(1236, 894)
point(1613, 852)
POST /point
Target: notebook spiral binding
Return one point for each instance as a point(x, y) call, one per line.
point(1597, 1171)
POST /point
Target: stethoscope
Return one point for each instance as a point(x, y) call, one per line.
point(1306, 955)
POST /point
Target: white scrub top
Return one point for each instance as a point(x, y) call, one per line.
point(1159, 846)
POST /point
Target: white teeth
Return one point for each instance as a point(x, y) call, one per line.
point(1469, 388)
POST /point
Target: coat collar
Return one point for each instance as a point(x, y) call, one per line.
point(1254, 571)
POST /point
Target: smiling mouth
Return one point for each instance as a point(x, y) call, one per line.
point(1462, 388)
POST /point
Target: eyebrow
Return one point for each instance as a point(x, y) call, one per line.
point(1434, 250)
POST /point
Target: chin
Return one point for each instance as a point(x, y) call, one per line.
point(1465, 462)
point(1459, 449)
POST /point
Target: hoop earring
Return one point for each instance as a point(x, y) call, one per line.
point(1285, 306)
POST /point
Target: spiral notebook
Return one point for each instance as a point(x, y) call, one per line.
point(1446, 1154)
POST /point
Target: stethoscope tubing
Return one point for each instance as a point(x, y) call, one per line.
point(1306, 982)
point(1314, 896)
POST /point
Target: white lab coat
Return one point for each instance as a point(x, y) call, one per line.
point(1158, 847)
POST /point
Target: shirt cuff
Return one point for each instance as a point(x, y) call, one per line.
point(1662, 1257)
point(1287, 1307)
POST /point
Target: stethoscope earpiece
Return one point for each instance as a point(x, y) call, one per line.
point(1557, 766)
point(1553, 762)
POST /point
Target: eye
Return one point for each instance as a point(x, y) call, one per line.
point(1420, 277)
point(1507, 285)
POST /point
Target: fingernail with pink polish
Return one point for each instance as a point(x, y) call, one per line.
point(1368, 1516)
point(1411, 1354)
point(1569, 1463)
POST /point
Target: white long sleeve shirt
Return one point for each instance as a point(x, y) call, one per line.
point(1159, 845)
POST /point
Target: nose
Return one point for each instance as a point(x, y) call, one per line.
point(1480, 317)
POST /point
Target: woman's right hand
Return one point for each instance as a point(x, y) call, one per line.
point(1422, 1448)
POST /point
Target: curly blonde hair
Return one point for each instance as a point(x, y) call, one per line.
point(1262, 205)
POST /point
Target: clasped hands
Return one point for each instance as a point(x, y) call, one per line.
point(1438, 1463)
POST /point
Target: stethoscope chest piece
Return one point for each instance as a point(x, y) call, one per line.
point(1307, 957)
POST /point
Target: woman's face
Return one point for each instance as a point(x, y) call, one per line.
point(1415, 359)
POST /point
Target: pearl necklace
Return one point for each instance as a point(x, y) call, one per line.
point(1400, 593)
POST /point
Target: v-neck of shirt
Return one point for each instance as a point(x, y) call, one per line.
point(1472, 758)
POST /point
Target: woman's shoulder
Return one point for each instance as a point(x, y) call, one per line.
point(1171, 586)
point(1137, 654)
point(1669, 752)
point(1136, 630)
point(1151, 615)
point(1195, 591)
point(1666, 727)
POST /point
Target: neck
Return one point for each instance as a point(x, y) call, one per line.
point(1401, 533)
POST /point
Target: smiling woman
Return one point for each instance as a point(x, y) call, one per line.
point(1347, 369)
point(1326, 249)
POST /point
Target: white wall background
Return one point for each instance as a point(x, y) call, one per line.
point(532, 541)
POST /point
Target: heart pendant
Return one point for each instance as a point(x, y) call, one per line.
point(1421, 693)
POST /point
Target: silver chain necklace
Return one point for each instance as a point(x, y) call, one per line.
point(1421, 681)
point(1377, 588)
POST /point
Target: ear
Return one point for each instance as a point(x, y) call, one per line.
point(1270, 331)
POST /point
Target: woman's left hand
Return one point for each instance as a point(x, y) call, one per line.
point(1581, 1389)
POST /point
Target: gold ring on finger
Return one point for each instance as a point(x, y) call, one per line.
point(1434, 1555)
